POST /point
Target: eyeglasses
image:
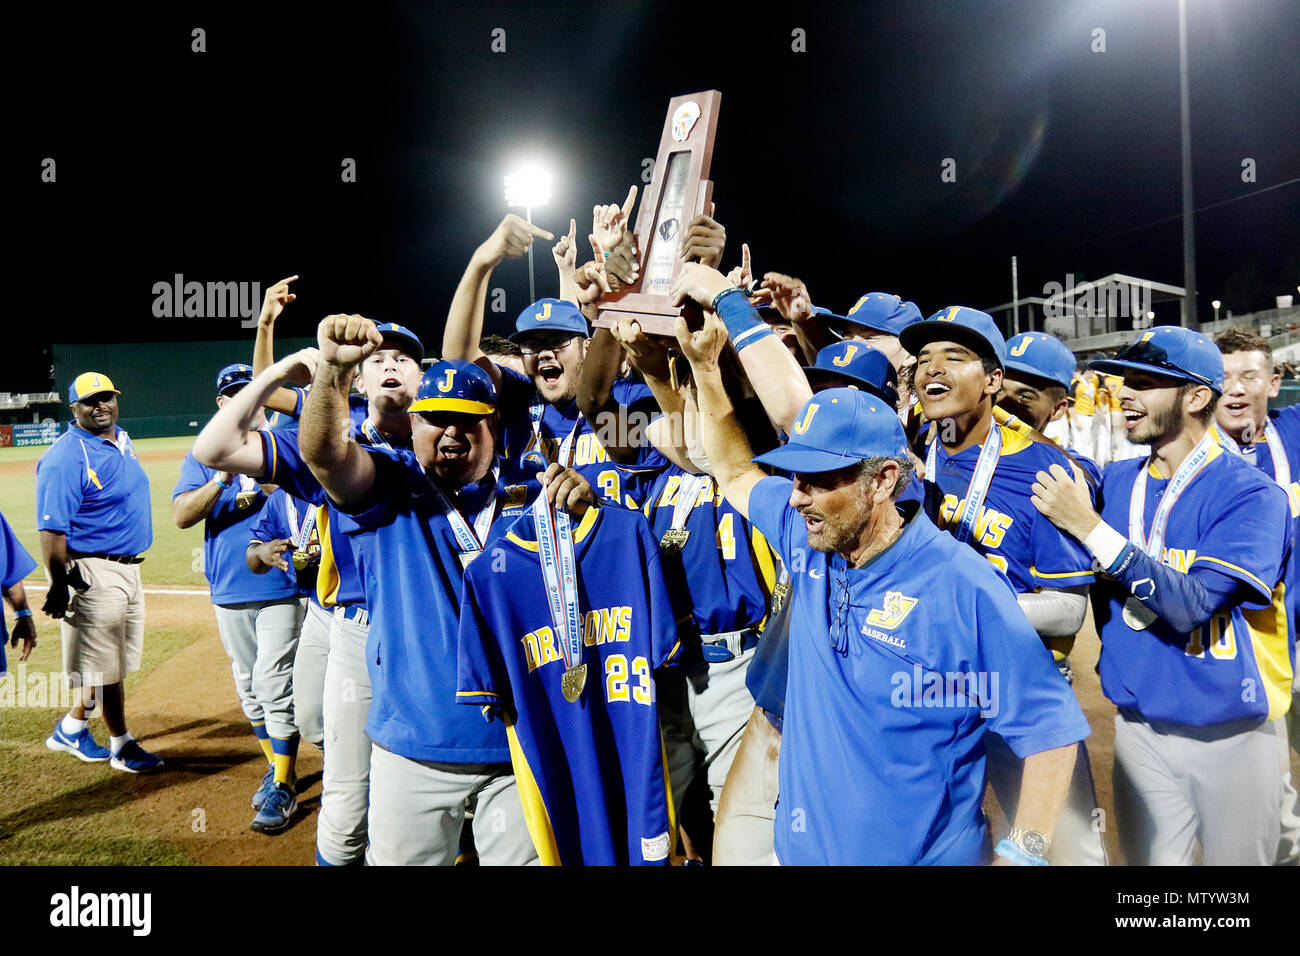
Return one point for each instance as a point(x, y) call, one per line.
point(534, 346)
point(1147, 354)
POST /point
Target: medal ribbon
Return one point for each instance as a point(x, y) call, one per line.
point(978, 488)
point(1192, 466)
point(467, 538)
point(299, 535)
point(687, 492)
point(1281, 467)
point(559, 571)
point(374, 437)
point(567, 448)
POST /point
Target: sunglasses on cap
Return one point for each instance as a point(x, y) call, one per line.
point(1148, 353)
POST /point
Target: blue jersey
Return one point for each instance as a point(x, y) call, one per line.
point(226, 536)
point(285, 419)
point(94, 490)
point(566, 436)
point(1091, 469)
point(591, 774)
point(337, 580)
point(1232, 520)
point(15, 564)
point(726, 567)
point(897, 670)
point(1018, 540)
point(412, 570)
point(288, 517)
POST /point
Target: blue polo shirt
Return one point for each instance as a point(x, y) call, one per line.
point(225, 540)
point(411, 567)
point(93, 490)
point(15, 564)
point(882, 757)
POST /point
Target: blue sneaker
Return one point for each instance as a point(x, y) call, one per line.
point(276, 811)
point(134, 759)
point(264, 788)
point(80, 745)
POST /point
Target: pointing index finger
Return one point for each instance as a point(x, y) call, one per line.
point(538, 231)
point(629, 202)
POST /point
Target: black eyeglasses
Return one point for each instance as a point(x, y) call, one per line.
point(556, 344)
point(1146, 353)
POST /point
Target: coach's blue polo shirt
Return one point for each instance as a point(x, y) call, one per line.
point(882, 756)
point(15, 564)
point(413, 581)
point(226, 533)
point(93, 490)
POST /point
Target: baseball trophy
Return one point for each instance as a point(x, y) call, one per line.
point(679, 191)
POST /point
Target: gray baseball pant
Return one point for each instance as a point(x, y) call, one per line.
point(1179, 787)
point(309, 673)
point(261, 637)
point(417, 809)
point(345, 783)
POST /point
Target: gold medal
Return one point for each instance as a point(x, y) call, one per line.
point(674, 540)
point(1137, 615)
point(245, 499)
point(572, 681)
point(779, 595)
point(300, 560)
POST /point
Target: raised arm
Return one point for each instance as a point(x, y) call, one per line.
point(325, 437)
point(510, 240)
point(649, 356)
point(228, 442)
point(724, 440)
point(273, 303)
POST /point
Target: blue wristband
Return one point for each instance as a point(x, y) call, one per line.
point(742, 321)
point(1013, 852)
point(24, 612)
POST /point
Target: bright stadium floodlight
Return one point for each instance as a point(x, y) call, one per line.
point(529, 186)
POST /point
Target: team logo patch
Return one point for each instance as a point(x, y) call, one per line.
point(543, 315)
point(1020, 349)
point(802, 426)
point(897, 606)
point(445, 384)
point(684, 119)
point(847, 357)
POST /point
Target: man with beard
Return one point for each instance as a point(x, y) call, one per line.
point(871, 625)
point(92, 510)
point(420, 516)
point(387, 381)
point(1190, 610)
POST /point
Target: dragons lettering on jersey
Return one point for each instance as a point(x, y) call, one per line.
point(1178, 559)
point(990, 527)
point(605, 625)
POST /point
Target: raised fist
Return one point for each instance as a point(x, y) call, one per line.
point(347, 340)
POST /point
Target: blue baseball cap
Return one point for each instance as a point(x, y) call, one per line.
point(1041, 355)
point(232, 375)
point(408, 340)
point(859, 363)
point(837, 428)
point(550, 315)
point(1169, 350)
point(880, 311)
point(969, 327)
point(455, 386)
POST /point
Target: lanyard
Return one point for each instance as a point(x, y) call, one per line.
point(559, 571)
point(1281, 467)
point(467, 538)
point(687, 492)
point(1192, 466)
point(978, 488)
point(374, 437)
point(567, 447)
point(299, 535)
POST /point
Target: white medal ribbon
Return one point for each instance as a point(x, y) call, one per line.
point(467, 538)
point(687, 492)
point(246, 483)
point(299, 535)
point(559, 571)
point(567, 447)
point(1192, 466)
point(1281, 467)
point(374, 437)
point(978, 488)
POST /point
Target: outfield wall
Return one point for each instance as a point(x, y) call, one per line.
point(168, 388)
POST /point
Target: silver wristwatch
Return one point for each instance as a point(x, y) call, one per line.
point(1031, 841)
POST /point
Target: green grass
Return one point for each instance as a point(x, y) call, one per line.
point(174, 558)
point(86, 819)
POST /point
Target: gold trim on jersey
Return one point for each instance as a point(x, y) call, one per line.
point(1268, 642)
point(536, 816)
point(580, 532)
point(328, 580)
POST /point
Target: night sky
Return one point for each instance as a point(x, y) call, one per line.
point(225, 165)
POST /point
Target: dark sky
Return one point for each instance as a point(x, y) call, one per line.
point(225, 165)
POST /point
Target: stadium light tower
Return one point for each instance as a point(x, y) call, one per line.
point(1189, 238)
point(529, 186)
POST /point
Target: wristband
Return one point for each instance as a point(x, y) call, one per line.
point(24, 612)
point(742, 321)
point(713, 307)
point(1013, 852)
point(216, 480)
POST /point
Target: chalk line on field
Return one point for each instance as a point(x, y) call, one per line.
point(46, 587)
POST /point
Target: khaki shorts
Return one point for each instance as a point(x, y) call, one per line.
point(103, 630)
